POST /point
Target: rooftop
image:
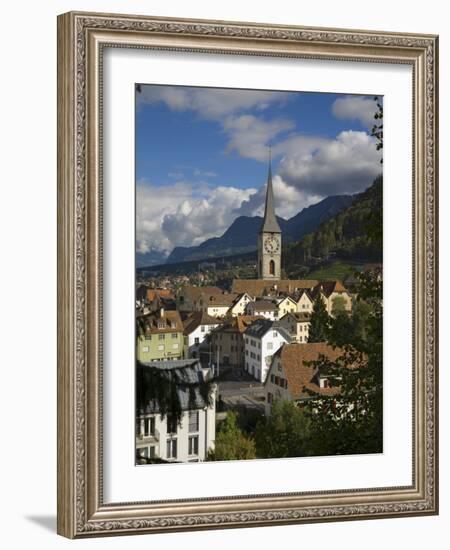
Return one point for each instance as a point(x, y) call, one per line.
point(163, 321)
point(260, 287)
point(301, 377)
point(196, 319)
point(260, 327)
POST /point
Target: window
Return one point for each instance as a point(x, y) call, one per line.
point(148, 336)
point(193, 421)
point(175, 346)
point(193, 445)
point(174, 335)
point(171, 424)
point(196, 340)
point(202, 328)
point(151, 452)
point(145, 349)
point(161, 336)
point(149, 426)
point(275, 334)
point(258, 357)
point(160, 348)
point(172, 448)
point(272, 378)
point(301, 338)
point(269, 398)
point(272, 267)
point(269, 345)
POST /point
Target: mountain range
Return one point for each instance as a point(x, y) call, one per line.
point(242, 234)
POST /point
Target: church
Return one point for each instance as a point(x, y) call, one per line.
point(269, 256)
point(269, 238)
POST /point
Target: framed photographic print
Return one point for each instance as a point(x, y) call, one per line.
point(247, 284)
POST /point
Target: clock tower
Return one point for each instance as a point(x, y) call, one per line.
point(269, 238)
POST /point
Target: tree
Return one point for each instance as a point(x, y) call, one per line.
point(231, 443)
point(377, 128)
point(320, 321)
point(357, 427)
point(338, 305)
point(285, 433)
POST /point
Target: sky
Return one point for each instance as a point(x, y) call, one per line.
point(202, 156)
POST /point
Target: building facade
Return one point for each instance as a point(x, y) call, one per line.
point(161, 437)
point(227, 340)
point(197, 326)
point(297, 324)
point(262, 339)
point(160, 336)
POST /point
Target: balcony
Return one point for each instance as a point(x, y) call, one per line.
point(150, 437)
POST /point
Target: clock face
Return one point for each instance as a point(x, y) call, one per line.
point(271, 245)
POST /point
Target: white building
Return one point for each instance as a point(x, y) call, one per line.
point(239, 305)
point(261, 340)
point(263, 308)
point(196, 327)
point(162, 437)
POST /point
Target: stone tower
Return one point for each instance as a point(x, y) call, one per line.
point(269, 238)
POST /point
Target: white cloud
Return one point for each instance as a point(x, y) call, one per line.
point(249, 135)
point(210, 103)
point(183, 214)
point(355, 108)
point(288, 200)
point(347, 164)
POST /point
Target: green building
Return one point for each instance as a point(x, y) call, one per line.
point(159, 336)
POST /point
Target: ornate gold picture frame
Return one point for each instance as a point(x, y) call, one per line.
point(82, 39)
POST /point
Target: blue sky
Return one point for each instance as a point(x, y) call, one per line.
point(201, 156)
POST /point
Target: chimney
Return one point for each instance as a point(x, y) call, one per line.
point(161, 312)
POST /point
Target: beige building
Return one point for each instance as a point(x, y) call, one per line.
point(304, 301)
point(216, 305)
point(297, 324)
point(228, 341)
point(334, 292)
point(286, 305)
point(189, 296)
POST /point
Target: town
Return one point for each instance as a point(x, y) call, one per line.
point(212, 358)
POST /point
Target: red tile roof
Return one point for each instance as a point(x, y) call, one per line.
point(301, 377)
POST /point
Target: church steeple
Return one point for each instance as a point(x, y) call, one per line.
point(270, 223)
point(269, 238)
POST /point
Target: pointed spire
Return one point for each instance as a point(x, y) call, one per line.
point(270, 223)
